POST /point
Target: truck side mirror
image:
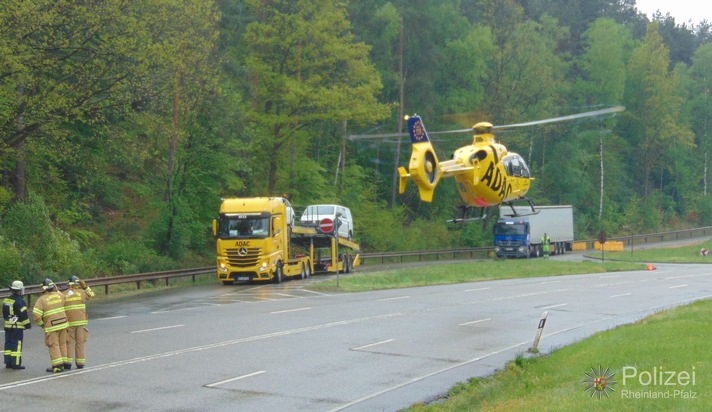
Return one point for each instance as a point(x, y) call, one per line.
point(215, 227)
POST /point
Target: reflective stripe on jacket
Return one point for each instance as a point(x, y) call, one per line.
point(75, 305)
point(49, 312)
point(14, 311)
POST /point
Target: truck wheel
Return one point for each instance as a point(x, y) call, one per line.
point(304, 271)
point(307, 268)
point(278, 273)
point(537, 251)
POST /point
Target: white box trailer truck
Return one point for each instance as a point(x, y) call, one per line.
point(521, 235)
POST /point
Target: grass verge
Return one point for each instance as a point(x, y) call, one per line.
point(470, 271)
point(667, 368)
point(682, 254)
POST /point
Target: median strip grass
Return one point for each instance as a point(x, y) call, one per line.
point(660, 363)
point(682, 254)
point(471, 271)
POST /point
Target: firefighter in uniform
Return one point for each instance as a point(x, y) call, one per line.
point(49, 314)
point(14, 311)
point(75, 299)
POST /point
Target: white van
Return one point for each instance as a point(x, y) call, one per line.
point(314, 214)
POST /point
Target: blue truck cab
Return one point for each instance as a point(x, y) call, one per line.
point(512, 237)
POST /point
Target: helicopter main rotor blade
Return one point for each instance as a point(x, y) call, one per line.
point(468, 130)
point(376, 136)
point(614, 109)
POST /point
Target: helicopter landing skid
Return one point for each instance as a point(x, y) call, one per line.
point(464, 219)
point(467, 219)
point(514, 212)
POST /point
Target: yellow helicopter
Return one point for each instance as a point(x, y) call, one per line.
point(486, 173)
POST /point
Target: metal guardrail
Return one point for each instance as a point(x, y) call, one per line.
point(116, 280)
point(484, 251)
point(675, 235)
point(420, 255)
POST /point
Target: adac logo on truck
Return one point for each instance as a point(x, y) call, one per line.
point(245, 243)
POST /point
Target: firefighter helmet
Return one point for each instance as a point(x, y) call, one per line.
point(18, 286)
point(73, 281)
point(48, 284)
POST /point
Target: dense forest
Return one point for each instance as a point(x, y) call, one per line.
point(124, 122)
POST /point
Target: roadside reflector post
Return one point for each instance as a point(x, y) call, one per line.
point(539, 331)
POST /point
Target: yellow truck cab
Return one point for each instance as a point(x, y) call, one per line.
point(253, 236)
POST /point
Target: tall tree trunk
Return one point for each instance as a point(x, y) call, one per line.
point(172, 152)
point(20, 162)
point(600, 200)
point(401, 103)
point(20, 171)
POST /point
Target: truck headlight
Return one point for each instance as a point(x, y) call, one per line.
point(222, 267)
point(497, 249)
point(263, 266)
point(522, 249)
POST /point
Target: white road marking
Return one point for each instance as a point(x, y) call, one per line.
point(394, 298)
point(162, 355)
point(111, 318)
point(621, 295)
point(603, 285)
point(423, 377)
point(678, 286)
point(687, 276)
point(249, 375)
point(154, 329)
point(475, 321)
point(315, 292)
point(475, 290)
point(289, 310)
point(372, 344)
point(526, 295)
point(555, 306)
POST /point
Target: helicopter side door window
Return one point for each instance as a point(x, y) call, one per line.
point(524, 169)
point(516, 167)
point(508, 165)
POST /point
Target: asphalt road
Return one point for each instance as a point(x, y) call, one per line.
point(281, 347)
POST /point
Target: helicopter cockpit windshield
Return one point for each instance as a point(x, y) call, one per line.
point(515, 165)
point(243, 226)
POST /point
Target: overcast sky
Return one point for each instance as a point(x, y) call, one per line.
point(681, 10)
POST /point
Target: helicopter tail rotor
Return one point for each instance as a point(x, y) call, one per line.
point(424, 167)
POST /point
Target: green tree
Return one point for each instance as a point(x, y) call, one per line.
point(700, 102)
point(183, 45)
point(63, 61)
point(652, 98)
point(601, 80)
point(43, 249)
point(304, 68)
